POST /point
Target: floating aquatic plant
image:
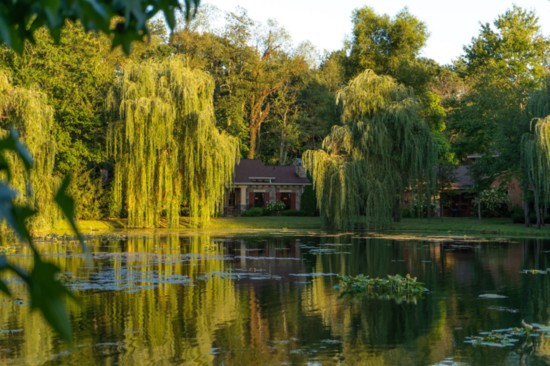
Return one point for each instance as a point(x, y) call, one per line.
point(492, 296)
point(498, 337)
point(534, 271)
point(525, 336)
point(394, 287)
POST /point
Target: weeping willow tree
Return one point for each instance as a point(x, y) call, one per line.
point(27, 111)
point(381, 149)
point(167, 151)
point(535, 154)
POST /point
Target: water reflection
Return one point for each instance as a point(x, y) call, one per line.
point(272, 300)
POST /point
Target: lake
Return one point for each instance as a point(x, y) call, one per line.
point(275, 300)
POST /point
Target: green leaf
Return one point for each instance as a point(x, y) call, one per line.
point(7, 195)
point(66, 203)
point(97, 16)
point(19, 217)
point(14, 215)
point(4, 288)
point(11, 142)
point(5, 167)
point(54, 18)
point(5, 33)
point(48, 296)
point(55, 33)
point(124, 37)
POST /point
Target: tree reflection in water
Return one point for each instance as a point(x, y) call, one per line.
point(247, 300)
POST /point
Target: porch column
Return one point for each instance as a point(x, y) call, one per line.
point(298, 199)
point(273, 193)
point(242, 199)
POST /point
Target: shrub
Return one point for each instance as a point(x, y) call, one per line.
point(254, 211)
point(275, 207)
point(493, 201)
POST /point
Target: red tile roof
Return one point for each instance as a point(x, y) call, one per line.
point(248, 169)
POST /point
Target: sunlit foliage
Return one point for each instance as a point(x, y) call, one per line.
point(381, 149)
point(28, 111)
point(165, 145)
point(535, 151)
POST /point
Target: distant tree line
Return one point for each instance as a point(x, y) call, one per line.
point(381, 114)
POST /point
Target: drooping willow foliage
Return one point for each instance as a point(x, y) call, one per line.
point(27, 111)
point(167, 151)
point(535, 150)
point(381, 149)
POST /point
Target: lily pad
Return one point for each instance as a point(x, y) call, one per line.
point(492, 296)
point(534, 272)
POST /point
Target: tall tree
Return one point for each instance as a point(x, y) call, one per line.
point(166, 148)
point(76, 74)
point(535, 153)
point(252, 64)
point(502, 66)
point(391, 46)
point(28, 111)
point(270, 71)
point(382, 147)
point(383, 44)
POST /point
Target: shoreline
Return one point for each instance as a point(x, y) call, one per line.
point(408, 229)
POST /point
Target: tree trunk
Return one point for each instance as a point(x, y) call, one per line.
point(526, 212)
point(537, 210)
point(253, 140)
point(282, 155)
point(397, 210)
point(479, 210)
point(282, 152)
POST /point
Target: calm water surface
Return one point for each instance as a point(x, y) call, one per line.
point(171, 300)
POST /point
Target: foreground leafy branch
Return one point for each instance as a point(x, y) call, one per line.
point(47, 293)
point(394, 287)
point(123, 21)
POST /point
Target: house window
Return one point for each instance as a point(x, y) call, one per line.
point(285, 198)
point(258, 199)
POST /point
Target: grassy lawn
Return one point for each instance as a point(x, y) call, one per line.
point(469, 226)
point(217, 224)
point(447, 226)
point(266, 222)
point(452, 226)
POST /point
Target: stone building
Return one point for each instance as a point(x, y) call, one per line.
point(256, 184)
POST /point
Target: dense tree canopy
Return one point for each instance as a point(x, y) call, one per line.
point(384, 44)
point(28, 111)
point(391, 46)
point(535, 151)
point(255, 71)
point(502, 67)
point(166, 148)
point(382, 148)
point(279, 100)
point(75, 74)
